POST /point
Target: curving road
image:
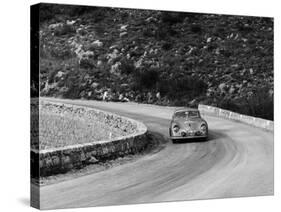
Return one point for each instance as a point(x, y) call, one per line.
point(236, 161)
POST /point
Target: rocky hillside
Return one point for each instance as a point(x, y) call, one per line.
point(157, 57)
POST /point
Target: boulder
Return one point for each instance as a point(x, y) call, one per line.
point(56, 25)
point(113, 47)
point(123, 28)
point(193, 103)
point(138, 63)
point(60, 74)
point(122, 34)
point(232, 90)
point(70, 22)
point(251, 71)
point(222, 87)
point(124, 85)
point(115, 68)
point(81, 31)
point(151, 19)
point(112, 56)
point(94, 85)
point(97, 43)
point(92, 160)
point(99, 63)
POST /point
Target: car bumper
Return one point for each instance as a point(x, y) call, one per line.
point(184, 134)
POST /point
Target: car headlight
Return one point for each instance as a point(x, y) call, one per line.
point(203, 128)
point(176, 128)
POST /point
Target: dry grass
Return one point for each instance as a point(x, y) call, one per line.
point(63, 127)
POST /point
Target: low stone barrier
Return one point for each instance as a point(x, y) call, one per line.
point(60, 160)
point(254, 121)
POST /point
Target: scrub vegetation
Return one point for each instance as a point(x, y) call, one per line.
point(157, 57)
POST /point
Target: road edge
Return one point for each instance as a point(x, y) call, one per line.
point(227, 114)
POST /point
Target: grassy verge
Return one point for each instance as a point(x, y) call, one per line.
point(61, 126)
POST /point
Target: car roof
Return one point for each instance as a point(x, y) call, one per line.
point(185, 110)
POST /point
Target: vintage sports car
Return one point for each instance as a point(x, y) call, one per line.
point(187, 123)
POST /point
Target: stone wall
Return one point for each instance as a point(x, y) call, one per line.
point(257, 122)
point(60, 160)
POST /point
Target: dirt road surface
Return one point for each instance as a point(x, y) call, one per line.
point(236, 161)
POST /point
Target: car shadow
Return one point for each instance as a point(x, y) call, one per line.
point(189, 140)
point(156, 142)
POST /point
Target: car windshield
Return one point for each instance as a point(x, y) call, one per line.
point(186, 114)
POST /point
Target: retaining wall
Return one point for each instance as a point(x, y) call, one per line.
point(257, 122)
point(60, 160)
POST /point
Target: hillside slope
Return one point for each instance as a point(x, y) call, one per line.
point(157, 57)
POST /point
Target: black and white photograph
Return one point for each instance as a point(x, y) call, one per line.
point(132, 106)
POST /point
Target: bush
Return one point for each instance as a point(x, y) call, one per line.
point(60, 53)
point(161, 32)
point(47, 11)
point(167, 45)
point(72, 82)
point(259, 104)
point(127, 67)
point(148, 32)
point(172, 17)
point(50, 11)
point(52, 75)
point(182, 89)
point(64, 30)
point(145, 79)
point(228, 104)
point(196, 28)
point(86, 63)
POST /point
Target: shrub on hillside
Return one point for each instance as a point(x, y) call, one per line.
point(145, 78)
point(86, 63)
point(181, 90)
point(59, 53)
point(258, 104)
point(64, 30)
point(167, 45)
point(127, 66)
point(50, 11)
point(164, 31)
point(72, 83)
point(172, 17)
point(148, 32)
point(187, 85)
point(228, 103)
point(186, 48)
point(196, 28)
point(52, 75)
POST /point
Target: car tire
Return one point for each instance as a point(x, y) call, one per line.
point(174, 141)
